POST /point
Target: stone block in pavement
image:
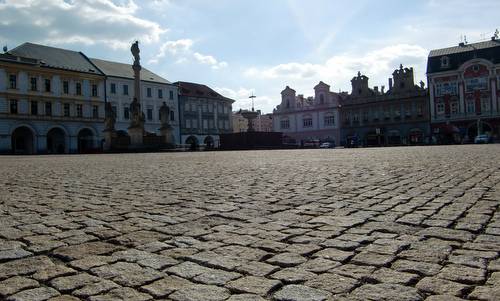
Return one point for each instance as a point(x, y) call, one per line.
point(254, 285)
point(294, 292)
point(333, 283)
point(200, 292)
point(166, 286)
point(122, 293)
point(34, 294)
point(386, 291)
point(435, 285)
point(287, 259)
point(293, 275)
point(15, 284)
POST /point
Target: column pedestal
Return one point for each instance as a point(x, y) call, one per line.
point(136, 136)
point(168, 135)
point(108, 140)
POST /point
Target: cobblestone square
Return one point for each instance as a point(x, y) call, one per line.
point(414, 223)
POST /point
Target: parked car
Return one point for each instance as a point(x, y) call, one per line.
point(326, 145)
point(482, 139)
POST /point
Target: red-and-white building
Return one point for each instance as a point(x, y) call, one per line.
point(464, 86)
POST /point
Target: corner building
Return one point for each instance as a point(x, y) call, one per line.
point(464, 83)
point(51, 101)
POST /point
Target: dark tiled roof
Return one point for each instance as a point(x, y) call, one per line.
point(198, 90)
point(125, 70)
point(465, 48)
point(458, 55)
point(56, 57)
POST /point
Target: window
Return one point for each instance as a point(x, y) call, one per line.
point(150, 114)
point(285, 124)
point(476, 83)
point(33, 86)
point(94, 90)
point(95, 112)
point(113, 88)
point(454, 107)
point(13, 106)
point(440, 108)
point(47, 85)
point(445, 62)
point(188, 123)
point(329, 120)
point(66, 110)
point(447, 88)
point(485, 105)
point(78, 88)
point(48, 108)
point(13, 81)
point(113, 109)
point(125, 89)
point(148, 92)
point(79, 110)
point(307, 122)
point(321, 99)
point(126, 113)
point(288, 103)
point(420, 110)
point(65, 87)
point(375, 115)
point(172, 116)
point(355, 118)
point(397, 112)
point(34, 107)
point(471, 106)
point(171, 95)
point(160, 93)
point(365, 115)
point(408, 111)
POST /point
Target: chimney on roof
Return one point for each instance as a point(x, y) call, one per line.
point(376, 89)
point(390, 83)
point(382, 89)
point(461, 44)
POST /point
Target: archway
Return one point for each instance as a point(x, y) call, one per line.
point(56, 141)
point(484, 128)
point(192, 141)
point(23, 141)
point(85, 141)
point(209, 142)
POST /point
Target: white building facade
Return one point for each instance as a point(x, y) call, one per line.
point(154, 91)
point(304, 119)
point(51, 101)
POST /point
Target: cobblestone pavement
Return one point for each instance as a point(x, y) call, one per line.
point(419, 223)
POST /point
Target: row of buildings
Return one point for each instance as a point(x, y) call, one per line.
point(52, 100)
point(462, 100)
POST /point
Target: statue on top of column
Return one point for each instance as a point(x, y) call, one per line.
point(135, 52)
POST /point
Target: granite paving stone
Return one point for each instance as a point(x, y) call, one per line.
point(399, 223)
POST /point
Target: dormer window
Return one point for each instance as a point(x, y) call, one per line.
point(445, 62)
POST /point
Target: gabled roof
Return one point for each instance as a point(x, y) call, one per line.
point(198, 90)
point(125, 71)
point(56, 57)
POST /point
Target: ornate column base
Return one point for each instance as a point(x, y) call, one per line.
point(168, 135)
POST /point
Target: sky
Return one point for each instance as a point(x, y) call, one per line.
point(240, 47)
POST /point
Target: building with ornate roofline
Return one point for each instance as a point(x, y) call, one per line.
point(464, 88)
point(375, 117)
point(303, 119)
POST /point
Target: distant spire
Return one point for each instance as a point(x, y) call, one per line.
point(252, 97)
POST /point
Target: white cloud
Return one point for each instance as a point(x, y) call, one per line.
point(377, 64)
point(173, 47)
point(89, 22)
point(182, 49)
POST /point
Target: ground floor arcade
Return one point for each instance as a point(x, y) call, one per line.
point(38, 137)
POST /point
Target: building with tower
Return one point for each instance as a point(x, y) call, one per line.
point(464, 85)
point(314, 118)
point(376, 117)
